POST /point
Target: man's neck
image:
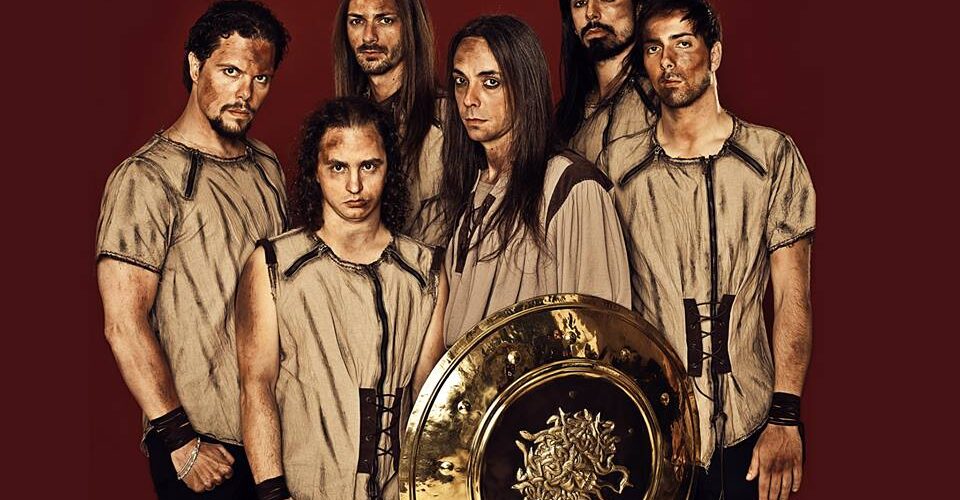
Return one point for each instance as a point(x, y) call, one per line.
point(699, 129)
point(385, 85)
point(360, 242)
point(607, 72)
point(498, 160)
point(193, 129)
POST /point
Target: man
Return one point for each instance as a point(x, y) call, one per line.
point(606, 95)
point(177, 222)
point(338, 319)
point(714, 207)
point(529, 222)
point(383, 49)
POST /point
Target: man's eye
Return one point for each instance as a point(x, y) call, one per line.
point(355, 21)
point(262, 78)
point(459, 81)
point(579, 3)
point(684, 44)
point(336, 167)
point(491, 83)
point(230, 71)
point(369, 167)
point(653, 49)
point(386, 20)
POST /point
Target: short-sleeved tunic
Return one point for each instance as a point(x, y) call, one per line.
point(584, 251)
point(348, 333)
point(627, 112)
point(700, 232)
point(194, 219)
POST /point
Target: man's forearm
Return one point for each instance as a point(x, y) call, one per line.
point(792, 325)
point(143, 366)
point(261, 429)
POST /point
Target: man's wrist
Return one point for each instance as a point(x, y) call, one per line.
point(274, 488)
point(174, 429)
point(785, 410)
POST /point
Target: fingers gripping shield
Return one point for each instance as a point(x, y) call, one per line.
point(565, 397)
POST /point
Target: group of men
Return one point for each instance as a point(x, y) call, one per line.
point(275, 353)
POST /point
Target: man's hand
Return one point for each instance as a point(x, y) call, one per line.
point(778, 460)
point(213, 465)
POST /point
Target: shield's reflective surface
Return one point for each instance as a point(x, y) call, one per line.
point(564, 397)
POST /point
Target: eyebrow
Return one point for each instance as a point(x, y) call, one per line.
point(488, 72)
point(671, 37)
point(375, 16)
point(375, 161)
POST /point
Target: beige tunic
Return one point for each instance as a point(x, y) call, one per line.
point(332, 337)
point(700, 231)
point(424, 218)
point(627, 113)
point(585, 249)
point(193, 219)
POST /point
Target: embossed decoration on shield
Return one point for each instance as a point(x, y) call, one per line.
point(569, 459)
point(623, 395)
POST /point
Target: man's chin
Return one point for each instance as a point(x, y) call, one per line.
point(230, 130)
point(377, 68)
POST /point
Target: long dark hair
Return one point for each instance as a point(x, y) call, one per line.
point(579, 75)
point(415, 103)
point(526, 78)
point(347, 112)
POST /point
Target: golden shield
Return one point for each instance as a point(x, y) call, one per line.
point(560, 397)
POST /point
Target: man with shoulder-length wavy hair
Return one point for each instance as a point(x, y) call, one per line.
point(605, 94)
point(178, 220)
point(384, 50)
point(715, 208)
point(339, 321)
point(528, 219)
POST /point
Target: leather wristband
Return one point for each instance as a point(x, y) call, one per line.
point(174, 429)
point(274, 488)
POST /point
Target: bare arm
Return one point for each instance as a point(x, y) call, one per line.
point(258, 353)
point(792, 330)
point(128, 293)
point(778, 456)
point(433, 344)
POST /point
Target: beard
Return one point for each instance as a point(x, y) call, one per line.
point(686, 94)
point(230, 131)
point(606, 47)
point(380, 66)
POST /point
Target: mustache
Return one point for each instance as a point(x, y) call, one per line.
point(239, 106)
point(596, 24)
point(372, 47)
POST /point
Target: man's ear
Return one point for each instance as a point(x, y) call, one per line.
point(195, 66)
point(716, 54)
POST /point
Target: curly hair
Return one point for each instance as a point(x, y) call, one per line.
point(306, 205)
point(246, 18)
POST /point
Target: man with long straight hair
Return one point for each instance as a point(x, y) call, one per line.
point(339, 321)
point(605, 94)
point(527, 220)
point(178, 220)
point(384, 50)
point(714, 208)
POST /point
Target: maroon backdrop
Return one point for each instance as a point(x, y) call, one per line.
point(114, 78)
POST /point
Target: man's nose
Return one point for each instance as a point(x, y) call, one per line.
point(370, 33)
point(354, 182)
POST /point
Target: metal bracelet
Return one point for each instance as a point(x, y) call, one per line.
point(182, 473)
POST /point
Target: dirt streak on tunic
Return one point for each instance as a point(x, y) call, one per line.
point(761, 199)
point(331, 342)
point(585, 250)
point(194, 219)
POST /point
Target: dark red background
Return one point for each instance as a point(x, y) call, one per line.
point(90, 84)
